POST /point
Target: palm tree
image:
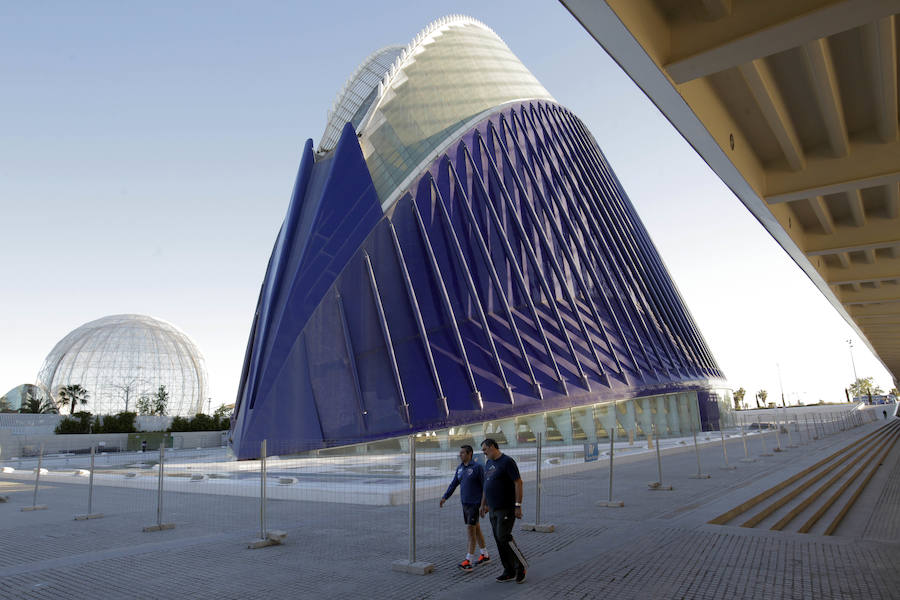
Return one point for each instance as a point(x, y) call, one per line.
point(37, 405)
point(761, 396)
point(739, 398)
point(73, 395)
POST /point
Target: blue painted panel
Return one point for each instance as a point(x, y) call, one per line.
point(543, 175)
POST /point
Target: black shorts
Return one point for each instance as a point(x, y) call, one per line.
point(470, 513)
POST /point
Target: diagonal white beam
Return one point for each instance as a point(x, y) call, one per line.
point(857, 209)
point(823, 215)
point(880, 47)
point(762, 85)
point(827, 94)
point(754, 30)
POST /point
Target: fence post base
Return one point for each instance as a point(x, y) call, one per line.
point(611, 504)
point(700, 476)
point(273, 538)
point(413, 568)
point(160, 527)
point(539, 527)
point(657, 486)
point(90, 516)
point(36, 507)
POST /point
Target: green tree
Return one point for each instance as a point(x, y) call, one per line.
point(739, 398)
point(864, 386)
point(35, 404)
point(72, 395)
point(145, 405)
point(5, 405)
point(761, 397)
point(160, 401)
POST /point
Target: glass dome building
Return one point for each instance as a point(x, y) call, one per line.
point(458, 252)
point(120, 358)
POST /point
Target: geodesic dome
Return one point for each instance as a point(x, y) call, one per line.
point(120, 358)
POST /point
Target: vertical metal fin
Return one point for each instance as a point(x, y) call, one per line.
point(548, 248)
point(470, 284)
point(420, 324)
point(516, 269)
point(495, 279)
point(532, 258)
point(351, 359)
point(448, 308)
point(386, 333)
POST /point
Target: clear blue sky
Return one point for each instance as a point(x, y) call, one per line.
point(147, 154)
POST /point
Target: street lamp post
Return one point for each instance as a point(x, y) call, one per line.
point(852, 362)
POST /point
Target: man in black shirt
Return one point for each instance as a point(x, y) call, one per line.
point(503, 498)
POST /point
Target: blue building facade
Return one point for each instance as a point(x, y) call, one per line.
point(506, 274)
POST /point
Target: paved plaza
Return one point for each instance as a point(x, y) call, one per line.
point(659, 545)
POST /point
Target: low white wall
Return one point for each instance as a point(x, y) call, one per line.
point(21, 445)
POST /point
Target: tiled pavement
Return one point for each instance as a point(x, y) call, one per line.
point(657, 546)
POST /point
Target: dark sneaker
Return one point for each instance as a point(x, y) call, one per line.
point(506, 577)
point(465, 565)
point(520, 576)
point(482, 559)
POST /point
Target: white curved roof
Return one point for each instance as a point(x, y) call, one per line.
point(357, 95)
point(454, 70)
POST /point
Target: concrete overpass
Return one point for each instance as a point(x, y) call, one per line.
point(794, 106)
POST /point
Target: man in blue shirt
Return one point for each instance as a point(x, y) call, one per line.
point(470, 477)
point(503, 490)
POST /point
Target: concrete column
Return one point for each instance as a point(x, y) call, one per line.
point(508, 427)
point(404, 445)
point(537, 424)
point(443, 439)
point(672, 415)
point(684, 414)
point(660, 420)
point(609, 418)
point(585, 419)
point(646, 419)
point(628, 420)
point(563, 422)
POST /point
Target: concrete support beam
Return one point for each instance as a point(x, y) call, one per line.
point(868, 295)
point(585, 419)
point(878, 233)
point(880, 51)
point(563, 422)
point(828, 96)
point(508, 427)
point(672, 417)
point(857, 209)
point(646, 417)
point(869, 254)
point(609, 418)
point(844, 259)
point(628, 421)
point(866, 165)
point(765, 91)
point(892, 200)
point(662, 424)
point(823, 215)
point(755, 30)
